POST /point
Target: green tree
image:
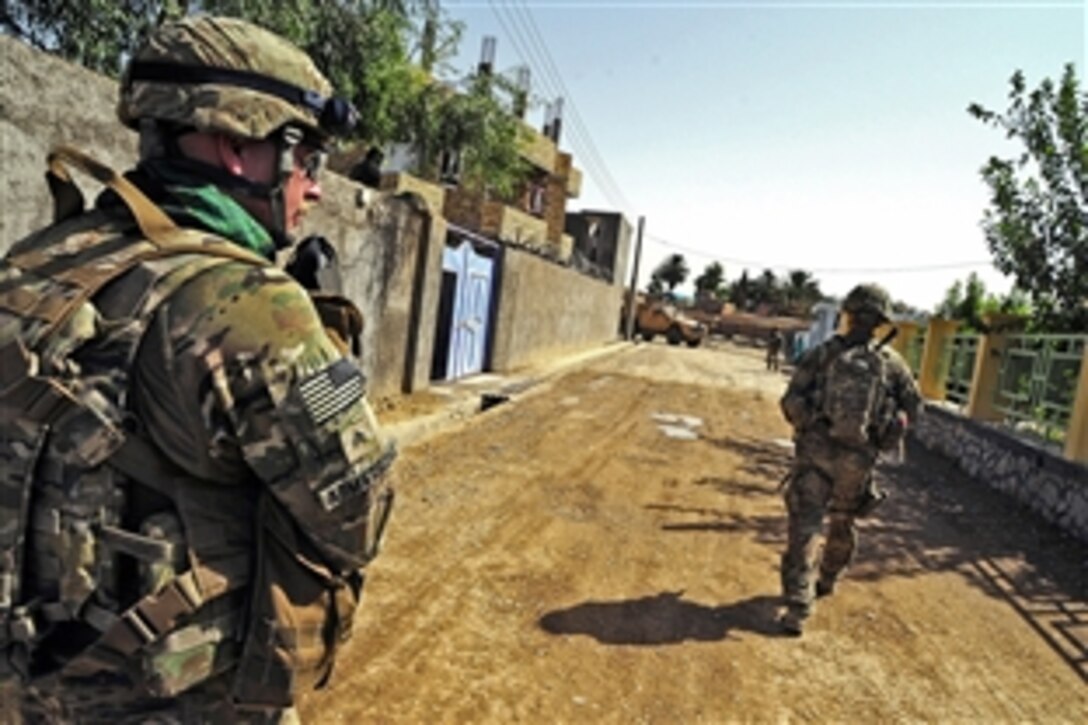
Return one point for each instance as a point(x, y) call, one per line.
point(656, 286)
point(953, 300)
point(765, 289)
point(970, 308)
point(478, 125)
point(366, 47)
point(800, 291)
point(1037, 223)
point(98, 34)
point(969, 302)
point(740, 293)
point(1014, 303)
point(672, 271)
point(710, 281)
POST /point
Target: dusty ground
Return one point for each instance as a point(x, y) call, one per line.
point(578, 555)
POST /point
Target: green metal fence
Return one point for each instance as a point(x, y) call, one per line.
point(914, 350)
point(958, 367)
point(1038, 380)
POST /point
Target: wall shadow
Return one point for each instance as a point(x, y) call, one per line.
point(769, 530)
point(761, 457)
point(739, 488)
point(665, 618)
point(937, 519)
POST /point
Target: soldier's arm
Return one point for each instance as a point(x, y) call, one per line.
point(268, 396)
point(797, 403)
point(905, 389)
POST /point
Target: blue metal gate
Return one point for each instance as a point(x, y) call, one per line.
point(471, 308)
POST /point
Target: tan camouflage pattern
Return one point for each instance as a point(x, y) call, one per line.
point(98, 705)
point(217, 385)
point(867, 297)
point(237, 342)
point(222, 43)
point(828, 477)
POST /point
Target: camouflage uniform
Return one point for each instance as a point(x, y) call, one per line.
point(774, 347)
point(829, 477)
point(249, 448)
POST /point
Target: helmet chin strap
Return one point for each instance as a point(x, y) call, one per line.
point(286, 141)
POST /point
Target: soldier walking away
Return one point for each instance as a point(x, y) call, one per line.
point(774, 347)
point(849, 399)
point(193, 480)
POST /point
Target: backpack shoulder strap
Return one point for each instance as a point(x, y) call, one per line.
point(83, 265)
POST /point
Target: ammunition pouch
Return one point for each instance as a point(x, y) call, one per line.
point(797, 410)
point(301, 609)
point(343, 321)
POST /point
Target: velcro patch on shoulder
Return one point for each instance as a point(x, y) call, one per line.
point(331, 391)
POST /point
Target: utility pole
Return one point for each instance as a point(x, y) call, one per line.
point(629, 329)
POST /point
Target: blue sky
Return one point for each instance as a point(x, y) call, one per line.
point(825, 136)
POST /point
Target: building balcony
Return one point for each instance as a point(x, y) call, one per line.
point(400, 182)
point(544, 155)
point(537, 149)
point(512, 225)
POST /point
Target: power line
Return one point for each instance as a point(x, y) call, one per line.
point(576, 119)
point(527, 46)
point(586, 151)
point(819, 270)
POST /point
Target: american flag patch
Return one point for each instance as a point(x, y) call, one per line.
point(329, 392)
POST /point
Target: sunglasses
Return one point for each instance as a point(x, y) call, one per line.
point(313, 162)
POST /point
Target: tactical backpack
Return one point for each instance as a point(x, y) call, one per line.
point(854, 395)
point(63, 523)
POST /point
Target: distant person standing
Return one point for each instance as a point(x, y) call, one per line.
point(774, 347)
point(369, 171)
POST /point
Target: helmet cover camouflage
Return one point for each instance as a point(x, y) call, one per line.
point(869, 297)
point(230, 44)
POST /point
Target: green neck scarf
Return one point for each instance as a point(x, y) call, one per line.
point(194, 202)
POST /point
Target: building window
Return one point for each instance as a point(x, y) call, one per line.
point(537, 196)
point(449, 167)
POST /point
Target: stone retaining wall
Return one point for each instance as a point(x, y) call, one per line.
point(1043, 481)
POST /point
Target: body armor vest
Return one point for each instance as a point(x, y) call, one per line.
point(95, 570)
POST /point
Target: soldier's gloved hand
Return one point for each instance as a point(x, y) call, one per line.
point(895, 431)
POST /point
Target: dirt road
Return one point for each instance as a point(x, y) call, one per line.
point(606, 549)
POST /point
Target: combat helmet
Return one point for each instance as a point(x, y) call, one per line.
point(867, 297)
point(225, 75)
point(228, 75)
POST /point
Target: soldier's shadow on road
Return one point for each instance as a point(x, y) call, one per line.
point(665, 618)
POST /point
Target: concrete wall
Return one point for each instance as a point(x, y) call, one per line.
point(546, 310)
point(45, 101)
point(1041, 480)
point(390, 243)
point(385, 246)
point(606, 253)
point(390, 267)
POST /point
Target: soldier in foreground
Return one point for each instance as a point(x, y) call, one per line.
point(193, 479)
point(849, 399)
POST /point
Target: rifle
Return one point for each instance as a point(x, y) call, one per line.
point(887, 338)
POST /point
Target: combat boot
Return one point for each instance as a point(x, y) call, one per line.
point(870, 500)
point(792, 622)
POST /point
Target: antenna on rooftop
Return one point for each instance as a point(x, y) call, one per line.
point(521, 91)
point(487, 55)
point(557, 122)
